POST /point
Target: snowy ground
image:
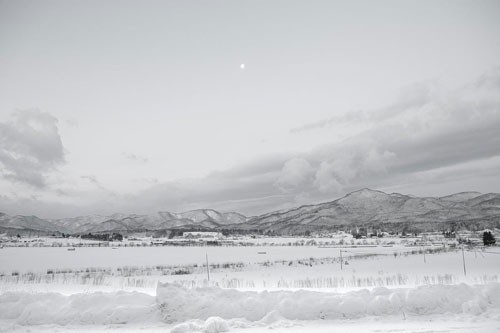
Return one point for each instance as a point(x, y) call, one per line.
point(219, 310)
point(41, 259)
point(436, 324)
point(292, 289)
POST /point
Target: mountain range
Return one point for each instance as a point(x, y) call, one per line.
point(364, 208)
point(389, 212)
point(124, 223)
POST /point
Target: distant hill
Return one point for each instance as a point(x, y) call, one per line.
point(123, 223)
point(390, 212)
point(364, 208)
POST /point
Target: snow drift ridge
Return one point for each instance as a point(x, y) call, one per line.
point(176, 304)
point(181, 304)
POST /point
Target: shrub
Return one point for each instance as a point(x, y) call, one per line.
point(181, 271)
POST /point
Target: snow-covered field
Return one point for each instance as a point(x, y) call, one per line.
point(250, 289)
point(34, 259)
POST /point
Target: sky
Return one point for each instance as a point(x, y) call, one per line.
point(249, 106)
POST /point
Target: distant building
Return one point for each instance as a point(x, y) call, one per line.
point(201, 234)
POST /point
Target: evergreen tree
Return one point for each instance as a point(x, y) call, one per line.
point(488, 238)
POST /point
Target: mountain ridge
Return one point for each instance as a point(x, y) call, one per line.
point(364, 207)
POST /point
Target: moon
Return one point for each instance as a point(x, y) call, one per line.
point(242, 66)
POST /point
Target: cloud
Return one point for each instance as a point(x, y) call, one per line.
point(427, 142)
point(351, 164)
point(135, 157)
point(327, 179)
point(93, 180)
point(72, 122)
point(399, 146)
point(147, 180)
point(353, 116)
point(247, 188)
point(296, 173)
point(410, 98)
point(425, 129)
point(30, 147)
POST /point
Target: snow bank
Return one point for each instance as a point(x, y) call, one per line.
point(78, 309)
point(179, 304)
point(214, 310)
point(211, 325)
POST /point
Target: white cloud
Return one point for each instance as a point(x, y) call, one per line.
point(296, 173)
point(30, 147)
point(327, 179)
point(135, 157)
point(397, 147)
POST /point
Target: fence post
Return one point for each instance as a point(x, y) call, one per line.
point(208, 269)
point(463, 259)
point(341, 259)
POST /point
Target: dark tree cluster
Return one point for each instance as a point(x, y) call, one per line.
point(104, 237)
point(488, 238)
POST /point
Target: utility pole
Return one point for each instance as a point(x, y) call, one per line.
point(463, 259)
point(341, 261)
point(208, 269)
point(424, 255)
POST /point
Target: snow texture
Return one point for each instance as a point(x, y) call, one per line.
point(215, 310)
point(211, 325)
point(78, 309)
point(181, 304)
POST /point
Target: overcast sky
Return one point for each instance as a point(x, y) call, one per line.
point(140, 106)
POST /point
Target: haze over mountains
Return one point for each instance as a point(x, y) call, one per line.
point(369, 208)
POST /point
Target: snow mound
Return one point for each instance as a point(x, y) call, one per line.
point(78, 309)
point(211, 325)
point(178, 304)
point(215, 325)
point(214, 310)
